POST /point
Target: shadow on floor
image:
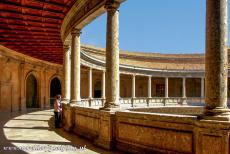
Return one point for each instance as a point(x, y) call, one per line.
point(36, 128)
point(6, 146)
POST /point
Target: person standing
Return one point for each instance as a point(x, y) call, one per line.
point(57, 111)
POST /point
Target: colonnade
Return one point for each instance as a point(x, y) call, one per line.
point(216, 65)
point(110, 90)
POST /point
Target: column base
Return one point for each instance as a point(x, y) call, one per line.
point(184, 101)
point(165, 101)
point(148, 101)
point(218, 113)
point(110, 106)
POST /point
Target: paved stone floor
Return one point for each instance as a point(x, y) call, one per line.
point(33, 133)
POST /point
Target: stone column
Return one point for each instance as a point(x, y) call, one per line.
point(183, 91)
point(166, 91)
point(133, 89)
point(112, 57)
point(103, 84)
point(90, 85)
point(202, 88)
point(133, 86)
point(90, 82)
point(75, 66)
point(149, 86)
point(166, 87)
point(66, 67)
point(216, 59)
point(184, 88)
point(149, 90)
point(103, 87)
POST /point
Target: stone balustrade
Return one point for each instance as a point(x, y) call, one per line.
point(145, 101)
point(149, 130)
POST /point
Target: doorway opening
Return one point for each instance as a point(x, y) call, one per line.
point(55, 89)
point(31, 92)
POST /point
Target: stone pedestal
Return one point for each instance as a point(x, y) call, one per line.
point(68, 117)
point(211, 137)
point(107, 128)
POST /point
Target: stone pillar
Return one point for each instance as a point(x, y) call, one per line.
point(66, 67)
point(184, 88)
point(149, 90)
point(202, 88)
point(112, 56)
point(166, 87)
point(149, 86)
point(75, 67)
point(133, 86)
point(133, 89)
point(166, 90)
point(90, 82)
point(183, 91)
point(103, 87)
point(90, 85)
point(216, 59)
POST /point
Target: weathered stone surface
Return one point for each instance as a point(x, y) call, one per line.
point(112, 57)
point(140, 131)
point(216, 58)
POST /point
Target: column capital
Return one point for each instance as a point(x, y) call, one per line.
point(112, 4)
point(66, 48)
point(75, 32)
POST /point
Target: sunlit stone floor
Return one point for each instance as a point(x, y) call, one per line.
point(33, 132)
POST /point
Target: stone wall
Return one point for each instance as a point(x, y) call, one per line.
point(14, 70)
point(144, 132)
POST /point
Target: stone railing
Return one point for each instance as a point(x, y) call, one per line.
point(145, 101)
point(156, 101)
point(195, 101)
point(167, 129)
point(127, 100)
point(174, 100)
point(84, 103)
point(97, 102)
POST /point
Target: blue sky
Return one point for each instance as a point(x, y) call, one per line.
point(163, 26)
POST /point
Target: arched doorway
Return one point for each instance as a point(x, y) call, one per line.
point(31, 92)
point(55, 89)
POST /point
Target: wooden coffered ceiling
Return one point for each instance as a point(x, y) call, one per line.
point(32, 27)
